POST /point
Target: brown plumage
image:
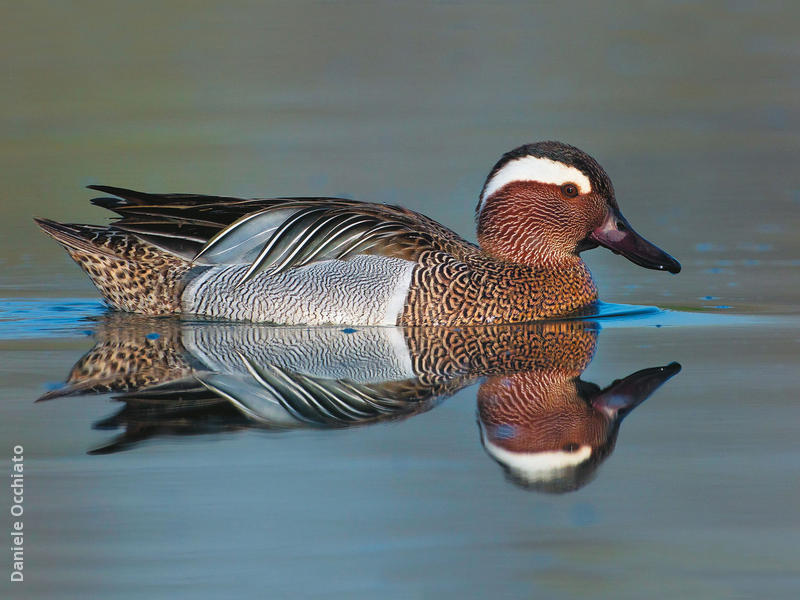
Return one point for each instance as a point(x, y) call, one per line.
point(131, 274)
point(483, 290)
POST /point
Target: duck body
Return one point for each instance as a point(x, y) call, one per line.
point(330, 261)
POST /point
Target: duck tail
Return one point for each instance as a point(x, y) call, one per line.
point(131, 274)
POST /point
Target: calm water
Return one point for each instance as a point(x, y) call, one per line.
point(211, 486)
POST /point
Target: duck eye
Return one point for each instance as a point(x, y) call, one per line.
point(570, 190)
point(571, 447)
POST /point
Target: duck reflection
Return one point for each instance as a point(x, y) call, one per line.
point(550, 431)
point(545, 427)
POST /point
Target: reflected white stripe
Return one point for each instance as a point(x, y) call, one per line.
point(536, 466)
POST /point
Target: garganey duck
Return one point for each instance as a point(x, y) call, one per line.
point(324, 261)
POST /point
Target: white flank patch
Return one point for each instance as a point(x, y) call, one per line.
point(535, 168)
point(537, 466)
point(363, 290)
point(397, 302)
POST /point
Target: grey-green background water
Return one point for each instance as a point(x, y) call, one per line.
point(692, 107)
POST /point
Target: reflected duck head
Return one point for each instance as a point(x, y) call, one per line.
point(545, 203)
point(550, 434)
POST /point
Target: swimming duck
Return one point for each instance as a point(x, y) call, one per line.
point(324, 261)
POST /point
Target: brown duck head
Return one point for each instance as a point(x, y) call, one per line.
point(545, 203)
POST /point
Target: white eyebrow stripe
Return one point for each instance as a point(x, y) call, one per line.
point(536, 168)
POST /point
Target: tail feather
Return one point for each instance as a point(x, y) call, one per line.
point(73, 236)
point(131, 274)
point(126, 198)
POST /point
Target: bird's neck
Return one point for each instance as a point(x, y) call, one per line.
point(515, 228)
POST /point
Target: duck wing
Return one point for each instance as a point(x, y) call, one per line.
point(276, 233)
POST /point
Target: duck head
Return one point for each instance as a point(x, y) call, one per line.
point(545, 203)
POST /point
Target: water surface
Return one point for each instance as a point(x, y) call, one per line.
point(691, 108)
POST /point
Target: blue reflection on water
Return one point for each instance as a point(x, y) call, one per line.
point(31, 318)
point(23, 318)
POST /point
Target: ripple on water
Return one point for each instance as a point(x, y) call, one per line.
point(30, 318)
point(22, 318)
